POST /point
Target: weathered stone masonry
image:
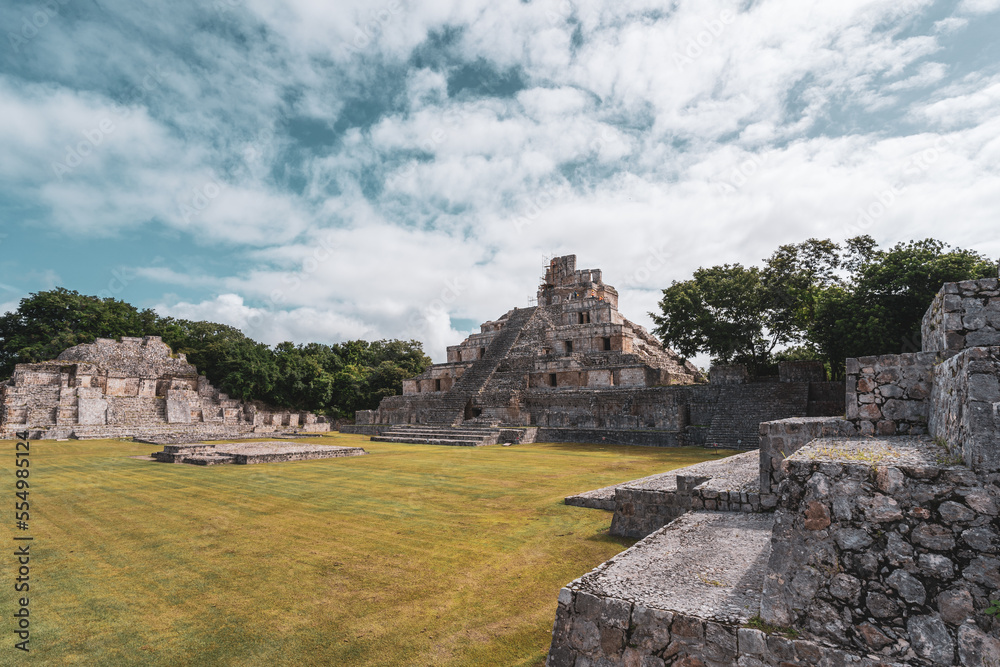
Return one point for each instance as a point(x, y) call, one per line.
point(135, 387)
point(884, 549)
point(576, 368)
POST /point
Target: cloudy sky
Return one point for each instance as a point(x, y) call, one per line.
point(318, 171)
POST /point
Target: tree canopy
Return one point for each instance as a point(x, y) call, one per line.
point(813, 300)
point(335, 380)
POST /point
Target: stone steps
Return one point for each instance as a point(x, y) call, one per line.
point(440, 435)
point(410, 440)
point(451, 408)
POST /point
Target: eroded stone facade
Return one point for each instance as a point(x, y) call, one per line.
point(135, 387)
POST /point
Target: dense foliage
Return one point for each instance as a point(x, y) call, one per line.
point(334, 379)
point(813, 300)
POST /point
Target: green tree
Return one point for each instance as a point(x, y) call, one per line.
point(743, 314)
point(880, 305)
point(813, 300)
point(46, 323)
point(329, 379)
point(237, 365)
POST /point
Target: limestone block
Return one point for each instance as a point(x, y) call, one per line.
point(92, 411)
point(178, 408)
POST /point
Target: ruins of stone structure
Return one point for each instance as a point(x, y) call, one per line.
point(246, 453)
point(135, 387)
point(579, 371)
point(871, 540)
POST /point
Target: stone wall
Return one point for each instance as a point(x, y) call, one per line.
point(728, 485)
point(802, 371)
point(782, 438)
point(963, 315)
point(884, 546)
point(890, 395)
point(734, 374)
point(966, 401)
point(594, 631)
point(133, 388)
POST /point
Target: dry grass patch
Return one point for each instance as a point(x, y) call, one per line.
point(411, 555)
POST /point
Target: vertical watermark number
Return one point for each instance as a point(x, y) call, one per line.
point(22, 541)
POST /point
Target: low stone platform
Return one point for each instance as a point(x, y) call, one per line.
point(644, 505)
point(737, 472)
point(243, 453)
point(706, 564)
point(188, 439)
point(684, 590)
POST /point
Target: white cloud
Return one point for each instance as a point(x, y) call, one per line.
point(706, 132)
point(979, 6)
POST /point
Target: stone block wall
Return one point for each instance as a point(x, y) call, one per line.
point(966, 407)
point(801, 371)
point(135, 387)
point(639, 512)
point(878, 546)
point(963, 315)
point(595, 631)
point(780, 439)
point(890, 395)
point(734, 374)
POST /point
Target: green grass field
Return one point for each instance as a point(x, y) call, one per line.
point(411, 555)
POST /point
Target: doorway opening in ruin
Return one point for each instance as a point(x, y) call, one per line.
point(569, 347)
point(553, 380)
point(437, 385)
point(471, 412)
point(607, 344)
point(482, 352)
point(584, 318)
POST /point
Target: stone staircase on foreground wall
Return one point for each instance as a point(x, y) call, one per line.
point(440, 435)
point(451, 408)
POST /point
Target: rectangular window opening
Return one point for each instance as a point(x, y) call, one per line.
point(607, 344)
point(569, 347)
point(553, 380)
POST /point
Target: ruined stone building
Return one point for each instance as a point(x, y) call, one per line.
point(577, 369)
point(869, 540)
point(135, 387)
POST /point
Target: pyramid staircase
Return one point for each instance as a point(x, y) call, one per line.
point(451, 405)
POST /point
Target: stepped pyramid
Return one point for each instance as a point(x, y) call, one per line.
point(574, 340)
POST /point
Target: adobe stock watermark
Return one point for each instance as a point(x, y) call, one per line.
point(369, 32)
point(121, 277)
point(657, 260)
point(696, 46)
point(536, 204)
point(741, 174)
point(881, 202)
point(322, 252)
point(32, 24)
point(435, 138)
point(565, 10)
point(451, 291)
point(94, 137)
point(225, 6)
point(192, 206)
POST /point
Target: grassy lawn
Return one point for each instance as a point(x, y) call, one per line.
point(412, 555)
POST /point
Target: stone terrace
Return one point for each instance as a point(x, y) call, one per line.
point(243, 453)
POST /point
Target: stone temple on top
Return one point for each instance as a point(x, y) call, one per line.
point(575, 362)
